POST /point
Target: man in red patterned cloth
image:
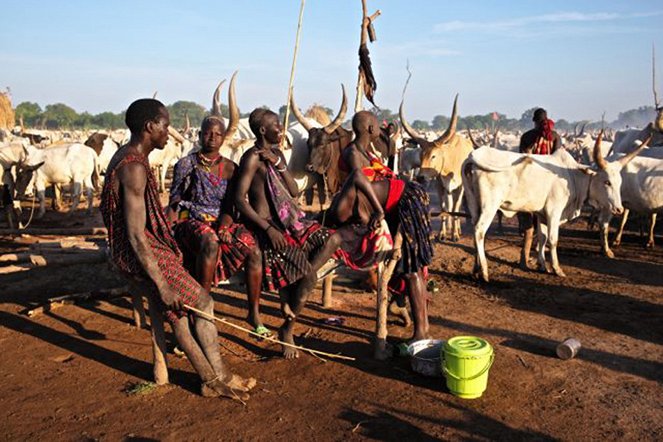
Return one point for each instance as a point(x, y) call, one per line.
point(143, 249)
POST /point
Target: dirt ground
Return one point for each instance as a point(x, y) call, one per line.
point(67, 374)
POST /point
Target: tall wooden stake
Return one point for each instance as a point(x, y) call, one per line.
point(292, 72)
point(365, 21)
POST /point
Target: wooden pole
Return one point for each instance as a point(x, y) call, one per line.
point(365, 21)
point(292, 74)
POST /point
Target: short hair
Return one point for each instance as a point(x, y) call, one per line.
point(142, 111)
point(211, 120)
point(359, 119)
point(256, 119)
point(539, 115)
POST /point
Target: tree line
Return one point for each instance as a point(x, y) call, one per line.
point(62, 116)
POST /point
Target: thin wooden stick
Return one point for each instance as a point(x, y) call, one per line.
point(292, 73)
point(268, 338)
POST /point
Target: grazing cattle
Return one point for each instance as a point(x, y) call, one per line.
point(441, 160)
point(162, 159)
point(12, 154)
point(74, 164)
point(555, 187)
point(641, 191)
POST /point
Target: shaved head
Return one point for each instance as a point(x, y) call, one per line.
point(362, 121)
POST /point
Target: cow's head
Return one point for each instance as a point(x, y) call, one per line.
point(433, 152)
point(605, 185)
point(324, 143)
point(24, 175)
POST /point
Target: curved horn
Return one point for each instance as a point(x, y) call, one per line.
point(216, 100)
point(187, 123)
point(421, 141)
point(154, 95)
point(298, 113)
point(582, 130)
point(175, 134)
point(575, 129)
point(475, 145)
point(233, 124)
point(451, 130)
point(598, 158)
point(628, 157)
point(495, 137)
point(331, 127)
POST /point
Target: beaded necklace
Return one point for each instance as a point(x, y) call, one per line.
point(207, 163)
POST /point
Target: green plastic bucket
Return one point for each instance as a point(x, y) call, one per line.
point(467, 360)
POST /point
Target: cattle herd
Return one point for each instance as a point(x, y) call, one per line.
point(475, 174)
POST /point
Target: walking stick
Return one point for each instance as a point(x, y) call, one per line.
point(292, 73)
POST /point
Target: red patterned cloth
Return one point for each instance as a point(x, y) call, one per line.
point(230, 257)
point(157, 231)
point(544, 143)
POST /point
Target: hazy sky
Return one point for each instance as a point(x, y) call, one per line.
point(576, 58)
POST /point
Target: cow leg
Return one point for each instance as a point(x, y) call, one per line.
point(41, 197)
point(618, 239)
point(162, 183)
point(652, 224)
point(458, 200)
point(57, 198)
point(442, 233)
point(604, 221)
point(554, 237)
point(75, 197)
point(480, 229)
point(89, 193)
point(542, 237)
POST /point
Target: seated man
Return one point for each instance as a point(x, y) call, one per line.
point(293, 248)
point(143, 249)
point(215, 248)
point(372, 191)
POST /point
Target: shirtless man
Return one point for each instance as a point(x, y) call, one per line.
point(293, 248)
point(144, 250)
point(370, 193)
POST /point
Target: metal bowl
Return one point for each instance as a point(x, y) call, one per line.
point(426, 357)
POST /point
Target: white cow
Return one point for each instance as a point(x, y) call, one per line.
point(553, 186)
point(74, 164)
point(641, 191)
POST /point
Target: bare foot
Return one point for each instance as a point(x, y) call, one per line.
point(216, 388)
point(237, 382)
point(288, 352)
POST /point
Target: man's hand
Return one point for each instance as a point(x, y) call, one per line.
point(277, 239)
point(375, 220)
point(171, 299)
point(225, 236)
point(269, 156)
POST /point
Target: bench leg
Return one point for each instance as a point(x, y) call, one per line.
point(138, 309)
point(327, 286)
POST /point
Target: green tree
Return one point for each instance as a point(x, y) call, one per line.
point(29, 112)
point(440, 122)
point(180, 109)
point(59, 116)
point(108, 120)
point(420, 125)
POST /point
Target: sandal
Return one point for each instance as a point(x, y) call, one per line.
point(402, 350)
point(263, 331)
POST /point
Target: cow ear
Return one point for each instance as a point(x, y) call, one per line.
point(588, 171)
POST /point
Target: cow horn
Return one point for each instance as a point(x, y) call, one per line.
point(233, 124)
point(154, 95)
point(495, 137)
point(575, 129)
point(298, 113)
point(421, 141)
point(628, 157)
point(598, 158)
point(451, 130)
point(475, 145)
point(657, 104)
point(331, 127)
point(582, 130)
point(175, 134)
point(216, 100)
point(187, 123)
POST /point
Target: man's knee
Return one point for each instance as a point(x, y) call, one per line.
point(254, 260)
point(334, 241)
point(209, 246)
point(205, 301)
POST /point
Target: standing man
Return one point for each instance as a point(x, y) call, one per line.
point(293, 248)
point(542, 140)
point(143, 248)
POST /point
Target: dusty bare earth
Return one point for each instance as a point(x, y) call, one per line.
point(67, 374)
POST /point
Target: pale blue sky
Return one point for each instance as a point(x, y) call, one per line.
point(576, 58)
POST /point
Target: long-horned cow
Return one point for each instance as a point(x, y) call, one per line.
point(441, 160)
point(555, 187)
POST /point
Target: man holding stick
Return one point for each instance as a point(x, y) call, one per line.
point(143, 248)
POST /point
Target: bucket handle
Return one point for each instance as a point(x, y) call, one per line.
point(481, 373)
